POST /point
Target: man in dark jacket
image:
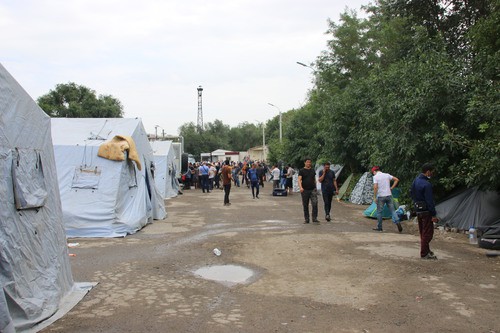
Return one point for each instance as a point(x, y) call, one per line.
point(421, 193)
point(307, 185)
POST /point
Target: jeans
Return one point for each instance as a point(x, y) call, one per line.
point(311, 195)
point(204, 183)
point(327, 200)
point(236, 179)
point(255, 185)
point(227, 189)
point(380, 207)
point(426, 230)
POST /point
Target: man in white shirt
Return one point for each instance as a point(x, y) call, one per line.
point(275, 172)
point(383, 195)
point(211, 176)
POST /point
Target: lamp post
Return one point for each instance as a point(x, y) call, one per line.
point(263, 140)
point(281, 129)
point(304, 65)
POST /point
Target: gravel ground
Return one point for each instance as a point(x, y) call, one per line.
point(338, 276)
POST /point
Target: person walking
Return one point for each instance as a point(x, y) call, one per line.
point(307, 185)
point(226, 175)
point(329, 188)
point(289, 179)
point(204, 170)
point(423, 200)
point(383, 195)
point(275, 172)
point(212, 171)
point(261, 173)
point(253, 176)
point(217, 175)
point(236, 173)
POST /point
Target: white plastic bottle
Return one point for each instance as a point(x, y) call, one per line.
point(472, 235)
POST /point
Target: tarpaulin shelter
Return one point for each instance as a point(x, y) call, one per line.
point(336, 168)
point(35, 273)
point(109, 196)
point(343, 188)
point(362, 194)
point(471, 208)
point(371, 211)
point(165, 168)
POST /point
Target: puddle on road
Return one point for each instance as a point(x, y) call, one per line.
point(273, 221)
point(226, 274)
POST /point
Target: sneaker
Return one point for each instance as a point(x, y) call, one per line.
point(377, 229)
point(257, 196)
point(328, 218)
point(400, 227)
point(430, 256)
point(306, 222)
point(315, 220)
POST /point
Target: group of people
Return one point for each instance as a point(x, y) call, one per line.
point(383, 184)
point(202, 175)
point(423, 201)
point(208, 176)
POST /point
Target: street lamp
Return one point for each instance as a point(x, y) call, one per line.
point(302, 64)
point(281, 130)
point(263, 140)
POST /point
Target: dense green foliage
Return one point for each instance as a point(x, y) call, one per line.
point(216, 135)
point(74, 101)
point(414, 82)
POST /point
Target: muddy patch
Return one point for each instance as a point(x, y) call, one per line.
point(228, 275)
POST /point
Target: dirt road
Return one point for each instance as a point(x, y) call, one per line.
point(338, 276)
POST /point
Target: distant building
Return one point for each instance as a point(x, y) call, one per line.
point(222, 155)
point(258, 153)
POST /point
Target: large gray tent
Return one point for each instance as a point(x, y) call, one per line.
point(471, 208)
point(35, 273)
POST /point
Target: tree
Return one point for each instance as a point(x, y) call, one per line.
point(76, 101)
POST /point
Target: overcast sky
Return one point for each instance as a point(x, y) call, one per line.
point(153, 54)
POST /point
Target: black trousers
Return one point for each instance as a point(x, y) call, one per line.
point(310, 195)
point(255, 185)
point(327, 200)
point(227, 189)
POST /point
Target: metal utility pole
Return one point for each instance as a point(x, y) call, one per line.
point(200, 111)
point(280, 121)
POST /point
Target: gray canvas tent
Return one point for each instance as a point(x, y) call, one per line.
point(362, 194)
point(102, 197)
point(35, 273)
point(165, 168)
point(472, 207)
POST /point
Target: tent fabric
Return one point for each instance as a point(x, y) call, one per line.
point(343, 188)
point(371, 211)
point(102, 197)
point(165, 168)
point(337, 168)
point(35, 272)
point(472, 207)
point(116, 148)
point(362, 194)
